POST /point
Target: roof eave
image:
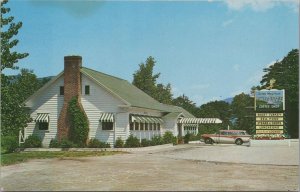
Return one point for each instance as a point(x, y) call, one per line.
point(43, 88)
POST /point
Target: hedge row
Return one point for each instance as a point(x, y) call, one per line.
point(133, 141)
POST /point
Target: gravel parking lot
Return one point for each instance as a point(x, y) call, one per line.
point(183, 167)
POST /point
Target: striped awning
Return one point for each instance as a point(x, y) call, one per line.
point(199, 120)
point(42, 117)
point(106, 117)
point(146, 119)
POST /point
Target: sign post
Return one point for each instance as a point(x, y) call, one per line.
point(269, 106)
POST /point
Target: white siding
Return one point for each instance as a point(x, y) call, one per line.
point(49, 101)
point(100, 100)
point(122, 125)
point(170, 125)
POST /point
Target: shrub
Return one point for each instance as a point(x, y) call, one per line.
point(168, 137)
point(9, 143)
point(187, 137)
point(145, 143)
point(32, 141)
point(107, 145)
point(119, 143)
point(195, 137)
point(65, 143)
point(54, 143)
point(132, 141)
point(157, 140)
point(95, 143)
point(175, 141)
point(79, 128)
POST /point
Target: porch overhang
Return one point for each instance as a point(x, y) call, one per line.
point(146, 119)
point(199, 120)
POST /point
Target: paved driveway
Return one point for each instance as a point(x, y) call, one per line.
point(175, 168)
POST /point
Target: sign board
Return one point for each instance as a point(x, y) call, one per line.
point(269, 123)
point(269, 100)
point(269, 127)
point(269, 114)
point(269, 118)
point(269, 131)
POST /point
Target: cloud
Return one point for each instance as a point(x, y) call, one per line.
point(260, 5)
point(228, 22)
point(74, 7)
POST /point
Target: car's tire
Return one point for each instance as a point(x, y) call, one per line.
point(208, 141)
point(239, 142)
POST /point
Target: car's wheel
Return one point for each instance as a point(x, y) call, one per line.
point(208, 141)
point(238, 142)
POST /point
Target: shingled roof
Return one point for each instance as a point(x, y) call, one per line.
point(129, 93)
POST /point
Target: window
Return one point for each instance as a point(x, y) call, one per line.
point(43, 125)
point(141, 126)
point(158, 127)
point(107, 125)
point(146, 126)
point(61, 90)
point(151, 126)
point(136, 125)
point(131, 126)
point(87, 89)
point(223, 133)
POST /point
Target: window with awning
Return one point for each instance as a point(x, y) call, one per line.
point(42, 121)
point(199, 120)
point(42, 118)
point(106, 117)
point(146, 119)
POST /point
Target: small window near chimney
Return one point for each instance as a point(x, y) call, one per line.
point(87, 90)
point(61, 90)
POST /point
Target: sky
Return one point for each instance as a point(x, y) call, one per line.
point(207, 50)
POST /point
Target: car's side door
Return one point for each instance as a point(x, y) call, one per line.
point(223, 137)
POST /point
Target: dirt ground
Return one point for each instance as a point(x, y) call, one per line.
point(172, 169)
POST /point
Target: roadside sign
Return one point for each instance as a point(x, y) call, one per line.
point(269, 131)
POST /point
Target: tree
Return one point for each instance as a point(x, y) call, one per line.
point(15, 91)
point(184, 102)
point(216, 109)
point(145, 80)
point(9, 58)
point(243, 112)
point(286, 74)
point(163, 93)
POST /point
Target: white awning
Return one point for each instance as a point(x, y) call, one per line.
point(146, 119)
point(42, 117)
point(106, 117)
point(199, 120)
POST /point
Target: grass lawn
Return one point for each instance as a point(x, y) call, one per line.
point(13, 158)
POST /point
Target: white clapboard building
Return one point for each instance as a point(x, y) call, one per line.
point(114, 108)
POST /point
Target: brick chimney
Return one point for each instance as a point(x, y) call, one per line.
point(72, 87)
